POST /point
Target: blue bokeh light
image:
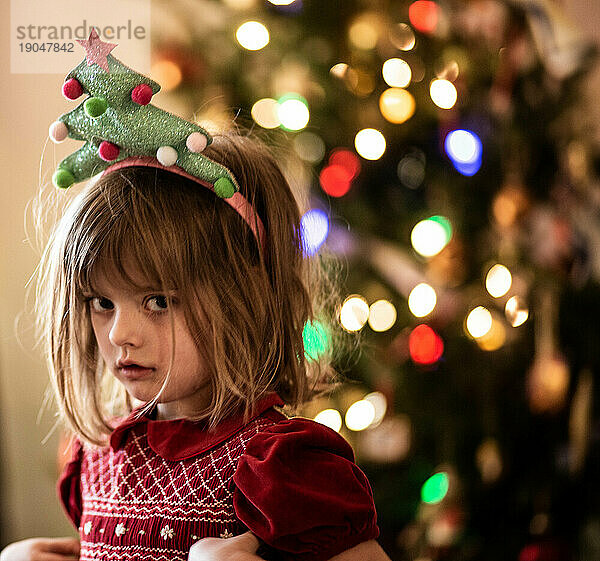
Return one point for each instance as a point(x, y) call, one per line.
point(464, 148)
point(314, 227)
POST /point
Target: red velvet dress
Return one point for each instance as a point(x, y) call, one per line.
point(162, 485)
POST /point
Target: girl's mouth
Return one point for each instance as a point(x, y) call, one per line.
point(134, 371)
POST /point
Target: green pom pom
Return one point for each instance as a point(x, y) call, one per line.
point(224, 188)
point(63, 178)
point(95, 106)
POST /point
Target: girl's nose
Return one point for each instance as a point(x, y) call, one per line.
point(126, 330)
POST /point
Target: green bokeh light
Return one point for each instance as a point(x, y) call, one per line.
point(316, 339)
point(435, 488)
point(445, 224)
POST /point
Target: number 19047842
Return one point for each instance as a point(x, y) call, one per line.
point(46, 47)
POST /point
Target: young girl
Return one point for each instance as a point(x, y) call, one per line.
point(153, 281)
point(176, 285)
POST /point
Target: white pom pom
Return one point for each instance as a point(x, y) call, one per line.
point(58, 131)
point(166, 155)
point(196, 142)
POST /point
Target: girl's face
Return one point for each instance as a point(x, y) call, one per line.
point(135, 336)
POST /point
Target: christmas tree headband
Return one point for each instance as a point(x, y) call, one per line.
point(121, 128)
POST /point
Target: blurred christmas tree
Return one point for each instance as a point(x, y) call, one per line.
point(450, 163)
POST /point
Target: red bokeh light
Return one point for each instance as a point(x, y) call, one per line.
point(425, 345)
point(347, 159)
point(335, 180)
point(423, 15)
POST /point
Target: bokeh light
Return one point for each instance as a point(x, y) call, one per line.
point(335, 180)
point(489, 460)
point(363, 33)
point(498, 281)
point(314, 227)
point(494, 338)
point(346, 159)
point(330, 418)
point(354, 313)
point(516, 311)
point(292, 110)
point(265, 113)
point(382, 315)
point(479, 322)
point(316, 339)
point(435, 488)
point(282, 2)
point(360, 415)
point(425, 345)
point(379, 402)
point(309, 146)
point(423, 15)
point(402, 37)
point(464, 149)
point(167, 73)
point(430, 236)
point(422, 300)
point(370, 144)
point(240, 4)
point(252, 35)
point(443, 93)
point(411, 169)
point(396, 72)
point(397, 105)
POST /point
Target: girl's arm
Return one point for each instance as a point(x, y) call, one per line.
point(42, 549)
point(370, 551)
point(244, 546)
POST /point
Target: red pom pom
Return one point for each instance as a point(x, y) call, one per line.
point(72, 89)
point(142, 94)
point(108, 151)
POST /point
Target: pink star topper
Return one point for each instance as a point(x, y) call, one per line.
point(96, 49)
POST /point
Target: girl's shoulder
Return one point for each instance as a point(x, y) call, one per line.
point(299, 490)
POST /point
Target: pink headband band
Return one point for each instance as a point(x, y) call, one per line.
point(237, 202)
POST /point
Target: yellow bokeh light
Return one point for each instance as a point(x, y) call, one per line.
point(167, 74)
point(282, 2)
point(479, 322)
point(494, 338)
point(379, 402)
point(363, 34)
point(354, 313)
point(382, 315)
point(422, 300)
point(498, 281)
point(240, 4)
point(397, 105)
point(330, 418)
point(265, 113)
point(360, 415)
point(516, 311)
point(443, 93)
point(370, 144)
point(402, 37)
point(293, 114)
point(396, 72)
point(252, 35)
point(428, 238)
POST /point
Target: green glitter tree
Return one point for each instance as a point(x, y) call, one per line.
point(117, 121)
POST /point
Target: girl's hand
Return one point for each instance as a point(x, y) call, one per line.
point(42, 549)
point(238, 548)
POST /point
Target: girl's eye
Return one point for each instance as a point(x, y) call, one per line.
point(157, 303)
point(101, 304)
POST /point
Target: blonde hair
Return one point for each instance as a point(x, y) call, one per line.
point(245, 306)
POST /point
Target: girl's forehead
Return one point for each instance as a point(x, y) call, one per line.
point(126, 275)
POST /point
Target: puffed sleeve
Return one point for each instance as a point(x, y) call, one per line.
point(69, 490)
point(298, 489)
